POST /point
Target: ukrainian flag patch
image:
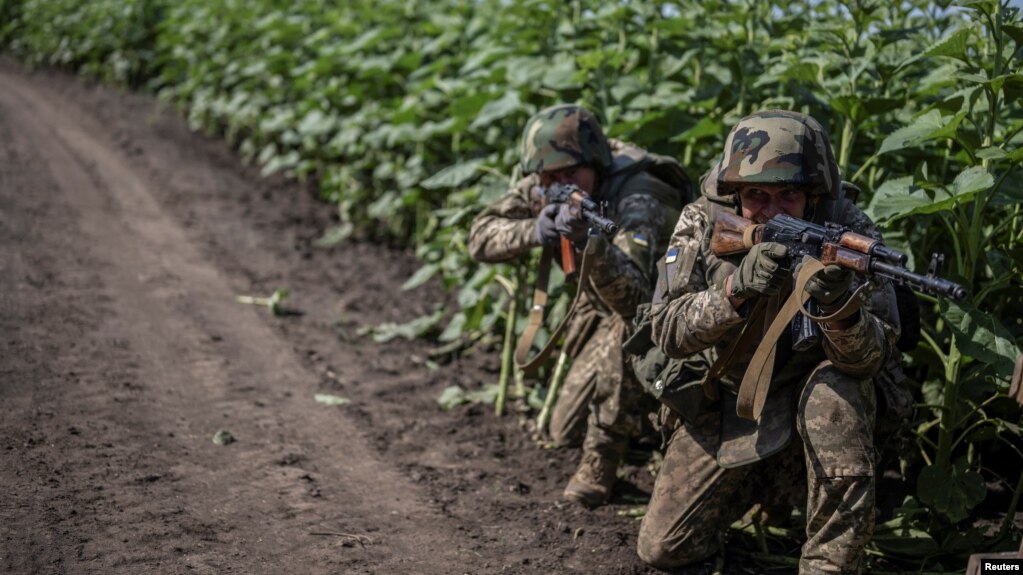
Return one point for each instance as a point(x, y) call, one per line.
point(671, 256)
point(640, 240)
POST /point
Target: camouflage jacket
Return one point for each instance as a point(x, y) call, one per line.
point(695, 314)
point(644, 207)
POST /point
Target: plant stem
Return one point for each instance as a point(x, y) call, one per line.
point(521, 277)
point(507, 351)
point(560, 371)
point(848, 135)
point(1013, 506)
point(946, 428)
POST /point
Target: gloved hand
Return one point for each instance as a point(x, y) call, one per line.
point(760, 272)
point(570, 223)
point(830, 284)
point(556, 220)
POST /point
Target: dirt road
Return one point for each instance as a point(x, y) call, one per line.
point(124, 239)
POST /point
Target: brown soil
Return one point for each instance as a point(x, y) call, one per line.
point(124, 239)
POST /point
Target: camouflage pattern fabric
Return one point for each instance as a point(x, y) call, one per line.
point(778, 146)
point(602, 403)
point(568, 418)
point(561, 137)
point(620, 279)
point(695, 500)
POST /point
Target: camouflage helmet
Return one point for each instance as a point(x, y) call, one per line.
point(561, 137)
point(779, 147)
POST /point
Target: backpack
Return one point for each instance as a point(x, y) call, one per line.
point(630, 160)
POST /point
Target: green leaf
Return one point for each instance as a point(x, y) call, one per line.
point(901, 197)
point(454, 328)
point(1011, 85)
point(536, 397)
point(409, 330)
point(896, 198)
point(952, 46)
point(497, 109)
point(422, 275)
point(859, 109)
point(991, 153)
point(487, 394)
point(561, 74)
point(913, 134)
point(452, 176)
point(1015, 32)
point(336, 235)
point(971, 181)
point(953, 492)
point(981, 336)
point(707, 126)
point(223, 437)
point(279, 295)
point(452, 396)
point(328, 399)
point(316, 123)
point(946, 128)
point(898, 538)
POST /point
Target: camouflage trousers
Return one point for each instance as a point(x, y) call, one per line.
point(695, 500)
point(601, 403)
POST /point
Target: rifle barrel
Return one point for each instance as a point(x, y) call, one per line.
point(927, 283)
point(606, 225)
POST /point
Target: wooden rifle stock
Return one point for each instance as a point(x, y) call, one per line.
point(734, 235)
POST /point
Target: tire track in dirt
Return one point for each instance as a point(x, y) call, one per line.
point(160, 357)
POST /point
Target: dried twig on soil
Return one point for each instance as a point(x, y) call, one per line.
point(362, 540)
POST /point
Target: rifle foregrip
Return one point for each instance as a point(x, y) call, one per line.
point(845, 257)
point(568, 263)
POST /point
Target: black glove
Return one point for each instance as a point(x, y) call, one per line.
point(760, 272)
point(570, 223)
point(830, 285)
point(546, 233)
point(556, 220)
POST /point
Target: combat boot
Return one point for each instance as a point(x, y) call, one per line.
point(591, 485)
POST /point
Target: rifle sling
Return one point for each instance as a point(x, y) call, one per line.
point(749, 333)
point(536, 313)
point(756, 382)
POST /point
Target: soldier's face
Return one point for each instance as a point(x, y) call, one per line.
point(762, 202)
point(583, 176)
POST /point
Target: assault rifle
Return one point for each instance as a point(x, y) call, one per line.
point(589, 210)
point(830, 243)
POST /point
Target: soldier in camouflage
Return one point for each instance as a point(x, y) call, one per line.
point(716, 465)
point(601, 403)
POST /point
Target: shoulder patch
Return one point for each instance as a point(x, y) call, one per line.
point(671, 256)
point(640, 240)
